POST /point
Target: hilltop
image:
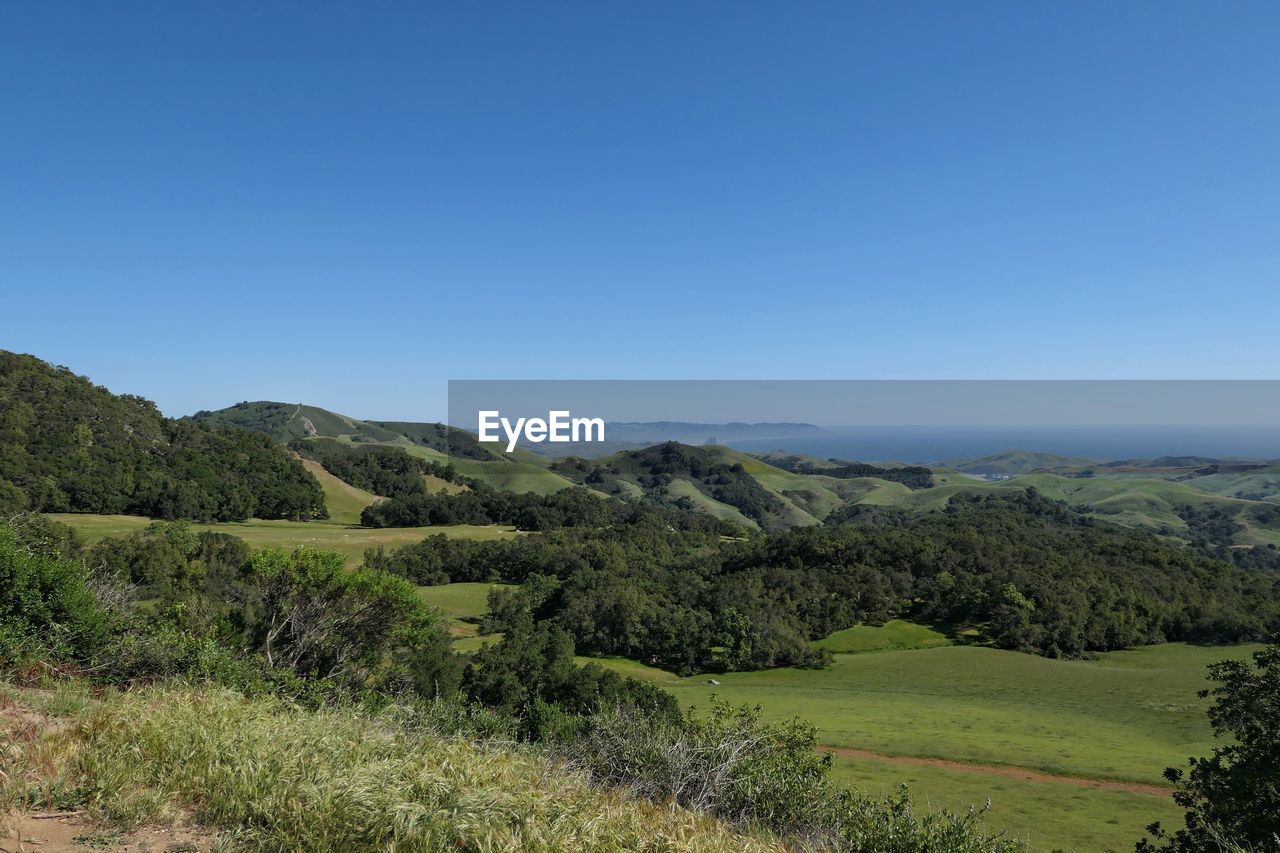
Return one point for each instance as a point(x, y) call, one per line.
point(285, 422)
point(1010, 463)
point(67, 445)
point(520, 471)
point(727, 483)
point(1226, 502)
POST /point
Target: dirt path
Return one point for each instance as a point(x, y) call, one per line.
point(71, 831)
point(1011, 772)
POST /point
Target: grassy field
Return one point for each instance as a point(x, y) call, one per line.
point(1123, 717)
point(464, 604)
point(1047, 816)
point(350, 541)
point(894, 634)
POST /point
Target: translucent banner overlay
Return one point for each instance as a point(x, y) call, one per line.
point(869, 420)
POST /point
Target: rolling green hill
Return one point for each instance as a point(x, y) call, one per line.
point(287, 421)
point(344, 501)
point(519, 471)
point(69, 445)
point(724, 482)
point(1010, 463)
point(779, 490)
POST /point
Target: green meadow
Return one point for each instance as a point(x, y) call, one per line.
point(1070, 753)
point(895, 634)
point(464, 604)
point(1109, 725)
point(350, 541)
point(1047, 816)
point(1125, 716)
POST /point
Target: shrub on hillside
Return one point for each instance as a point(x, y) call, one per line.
point(733, 765)
point(47, 610)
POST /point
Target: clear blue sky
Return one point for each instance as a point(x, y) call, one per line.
point(348, 203)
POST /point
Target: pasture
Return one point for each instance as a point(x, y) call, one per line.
point(1069, 752)
point(464, 604)
point(350, 541)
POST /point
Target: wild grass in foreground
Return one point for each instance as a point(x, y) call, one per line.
point(272, 776)
point(280, 778)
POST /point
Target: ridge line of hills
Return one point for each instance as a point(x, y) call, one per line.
point(69, 445)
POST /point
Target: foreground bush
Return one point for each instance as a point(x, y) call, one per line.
point(731, 764)
point(47, 610)
point(275, 777)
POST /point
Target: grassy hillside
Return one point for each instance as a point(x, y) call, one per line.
point(1133, 502)
point(513, 476)
point(351, 542)
point(343, 501)
point(1123, 717)
point(519, 471)
point(724, 482)
point(1246, 481)
point(463, 603)
point(895, 634)
point(1010, 463)
point(276, 777)
point(287, 421)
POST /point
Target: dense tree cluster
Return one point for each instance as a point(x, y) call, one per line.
point(67, 445)
point(653, 469)
point(1025, 572)
point(911, 476)
point(168, 598)
point(391, 472)
point(483, 505)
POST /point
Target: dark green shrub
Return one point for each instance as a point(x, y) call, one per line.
point(47, 610)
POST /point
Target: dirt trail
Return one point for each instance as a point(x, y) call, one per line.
point(1011, 772)
point(70, 831)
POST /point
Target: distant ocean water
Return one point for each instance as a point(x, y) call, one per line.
point(925, 444)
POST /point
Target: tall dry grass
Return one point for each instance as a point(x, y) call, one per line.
point(275, 777)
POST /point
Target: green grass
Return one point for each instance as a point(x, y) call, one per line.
point(518, 477)
point(275, 777)
point(351, 542)
point(344, 501)
point(465, 604)
point(682, 488)
point(894, 634)
point(1125, 716)
point(1046, 815)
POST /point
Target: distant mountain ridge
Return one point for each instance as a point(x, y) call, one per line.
point(777, 490)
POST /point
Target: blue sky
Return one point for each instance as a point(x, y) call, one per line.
point(348, 204)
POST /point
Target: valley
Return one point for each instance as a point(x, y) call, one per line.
point(1023, 628)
